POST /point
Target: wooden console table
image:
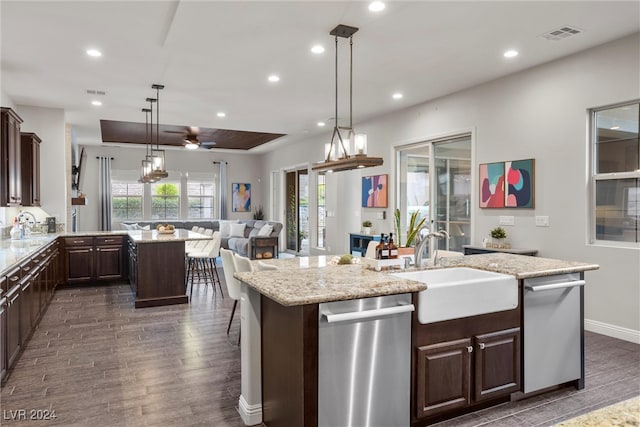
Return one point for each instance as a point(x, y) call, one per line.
point(262, 245)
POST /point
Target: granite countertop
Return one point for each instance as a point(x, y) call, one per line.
point(319, 280)
point(523, 267)
point(14, 251)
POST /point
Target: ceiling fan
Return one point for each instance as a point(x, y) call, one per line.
point(191, 140)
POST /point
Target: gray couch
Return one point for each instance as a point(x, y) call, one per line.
point(241, 245)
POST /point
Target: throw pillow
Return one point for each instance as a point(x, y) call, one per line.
point(237, 230)
point(265, 230)
point(128, 226)
point(254, 233)
point(225, 228)
point(139, 227)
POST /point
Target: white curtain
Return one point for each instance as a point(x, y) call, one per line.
point(223, 190)
point(104, 192)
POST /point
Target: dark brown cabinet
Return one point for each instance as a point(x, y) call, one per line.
point(30, 169)
point(3, 328)
point(88, 259)
point(10, 160)
point(448, 372)
point(14, 343)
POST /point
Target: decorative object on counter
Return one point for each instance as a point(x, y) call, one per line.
point(498, 239)
point(258, 213)
point(16, 231)
point(165, 229)
point(374, 191)
point(491, 185)
point(345, 259)
point(413, 228)
point(366, 226)
point(342, 157)
point(519, 184)
point(241, 193)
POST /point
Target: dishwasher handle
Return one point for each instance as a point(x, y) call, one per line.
point(552, 286)
point(366, 314)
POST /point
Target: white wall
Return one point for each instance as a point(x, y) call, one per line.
point(243, 168)
point(540, 113)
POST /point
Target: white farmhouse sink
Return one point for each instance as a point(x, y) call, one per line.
point(453, 293)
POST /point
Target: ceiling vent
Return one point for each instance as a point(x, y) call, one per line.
point(561, 33)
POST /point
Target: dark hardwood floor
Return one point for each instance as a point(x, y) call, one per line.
point(97, 361)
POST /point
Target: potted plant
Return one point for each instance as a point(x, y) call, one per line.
point(366, 226)
point(412, 230)
point(498, 236)
point(258, 214)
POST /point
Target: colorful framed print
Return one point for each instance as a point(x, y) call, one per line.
point(375, 191)
point(492, 185)
point(519, 183)
point(241, 194)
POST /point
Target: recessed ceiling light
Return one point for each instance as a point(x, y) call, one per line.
point(376, 6)
point(221, 114)
point(510, 53)
point(321, 124)
point(274, 78)
point(397, 95)
point(318, 49)
point(96, 103)
point(94, 52)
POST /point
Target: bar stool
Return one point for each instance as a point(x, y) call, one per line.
point(233, 285)
point(203, 264)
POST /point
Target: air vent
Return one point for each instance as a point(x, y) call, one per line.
point(96, 92)
point(561, 33)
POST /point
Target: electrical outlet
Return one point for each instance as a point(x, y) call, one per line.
point(506, 220)
point(380, 215)
point(542, 221)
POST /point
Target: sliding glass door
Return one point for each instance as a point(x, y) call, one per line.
point(435, 182)
point(297, 211)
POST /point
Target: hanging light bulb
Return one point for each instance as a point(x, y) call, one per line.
point(145, 166)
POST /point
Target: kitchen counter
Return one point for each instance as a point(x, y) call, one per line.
point(319, 280)
point(152, 236)
point(520, 266)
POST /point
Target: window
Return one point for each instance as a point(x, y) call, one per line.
point(616, 173)
point(126, 200)
point(321, 231)
point(165, 200)
point(200, 199)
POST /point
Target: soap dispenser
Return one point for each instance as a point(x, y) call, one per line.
point(16, 232)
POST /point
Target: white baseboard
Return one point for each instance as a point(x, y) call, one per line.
point(613, 331)
point(251, 414)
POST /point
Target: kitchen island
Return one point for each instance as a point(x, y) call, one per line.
point(283, 308)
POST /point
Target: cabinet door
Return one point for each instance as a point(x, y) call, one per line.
point(497, 364)
point(109, 262)
point(3, 330)
point(26, 307)
point(10, 188)
point(79, 264)
point(443, 377)
point(30, 169)
point(13, 324)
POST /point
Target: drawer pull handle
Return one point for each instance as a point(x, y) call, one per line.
point(26, 268)
point(470, 349)
point(14, 278)
point(78, 241)
point(481, 346)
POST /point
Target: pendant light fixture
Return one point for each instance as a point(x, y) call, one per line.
point(339, 155)
point(145, 166)
point(158, 168)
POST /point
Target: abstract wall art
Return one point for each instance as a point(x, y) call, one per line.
point(492, 185)
point(375, 191)
point(519, 183)
point(241, 194)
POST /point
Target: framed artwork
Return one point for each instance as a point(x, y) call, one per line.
point(375, 191)
point(492, 185)
point(519, 183)
point(241, 197)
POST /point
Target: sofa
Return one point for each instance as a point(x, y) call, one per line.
point(244, 240)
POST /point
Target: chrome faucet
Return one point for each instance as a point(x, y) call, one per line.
point(422, 240)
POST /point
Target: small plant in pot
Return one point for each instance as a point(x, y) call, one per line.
point(258, 213)
point(498, 236)
point(366, 226)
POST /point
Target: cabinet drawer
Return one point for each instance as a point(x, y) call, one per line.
point(109, 240)
point(13, 277)
point(78, 241)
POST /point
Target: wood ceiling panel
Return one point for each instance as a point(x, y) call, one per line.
point(173, 135)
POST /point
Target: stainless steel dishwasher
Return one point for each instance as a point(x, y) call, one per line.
point(364, 362)
point(553, 331)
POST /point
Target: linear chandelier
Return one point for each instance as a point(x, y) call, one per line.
point(153, 165)
point(344, 156)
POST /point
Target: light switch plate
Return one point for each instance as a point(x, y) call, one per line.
point(542, 221)
point(380, 215)
point(506, 220)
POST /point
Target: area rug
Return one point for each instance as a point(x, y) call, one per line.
point(623, 414)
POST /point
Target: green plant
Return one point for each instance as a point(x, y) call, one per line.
point(258, 214)
point(413, 228)
point(366, 223)
point(498, 233)
point(345, 259)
